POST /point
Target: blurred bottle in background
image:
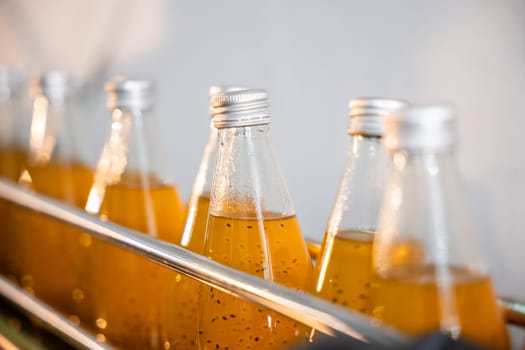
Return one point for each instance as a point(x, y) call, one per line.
point(131, 188)
point(343, 272)
point(12, 151)
point(13, 123)
point(54, 168)
point(45, 247)
point(251, 227)
point(429, 272)
point(182, 306)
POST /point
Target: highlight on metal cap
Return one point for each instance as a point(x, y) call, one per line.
point(421, 128)
point(367, 114)
point(216, 90)
point(129, 94)
point(11, 82)
point(234, 106)
point(55, 85)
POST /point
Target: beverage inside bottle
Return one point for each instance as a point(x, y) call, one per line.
point(12, 154)
point(131, 188)
point(47, 248)
point(182, 309)
point(251, 227)
point(429, 274)
point(344, 268)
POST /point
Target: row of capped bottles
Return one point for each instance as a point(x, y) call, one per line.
point(399, 245)
point(371, 258)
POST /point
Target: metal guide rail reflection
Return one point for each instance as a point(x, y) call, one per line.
point(307, 309)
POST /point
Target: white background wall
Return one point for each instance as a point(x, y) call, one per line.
point(312, 56)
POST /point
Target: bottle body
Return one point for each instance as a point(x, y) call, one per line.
point(127, 292)
point(13, 116)
point(182, 311)
point(344, 270)
point(429, 274)
point(251, 227)
point(52, 169)
point(13, 153)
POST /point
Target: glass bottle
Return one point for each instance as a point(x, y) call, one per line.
point(12, 148)
point(343, 272)
point(54, 168)
point(46, 247)
point(183, 293)
point(251, 227)
point(429, 273)
point(131, 188)
point(12, 154)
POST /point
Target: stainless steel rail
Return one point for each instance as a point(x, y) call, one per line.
point(309, 310)
point(514, 311)
point(52, 320)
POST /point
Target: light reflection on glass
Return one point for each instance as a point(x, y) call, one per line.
point(113, 160)
point(41, 142)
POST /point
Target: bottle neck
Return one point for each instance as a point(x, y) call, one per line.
point(247, 181)
point(51, 132)
point(203, 180)
point(129, 157)
point(360, 193)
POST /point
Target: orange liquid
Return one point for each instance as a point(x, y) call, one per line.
point(11, 165)
point(128, 291)
point(182, 309)
point(227, 322)
point(344, 273)
point(47, 249)
point(12, 162)
point(409, 299)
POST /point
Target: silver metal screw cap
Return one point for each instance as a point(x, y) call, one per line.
point(367, 114)
point(421, 128)
point(55, 85)
point(11, 82)
point(129, 94)
point(232, 106)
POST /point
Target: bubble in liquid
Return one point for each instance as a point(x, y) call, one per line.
point(77, 295)
point(101, 323)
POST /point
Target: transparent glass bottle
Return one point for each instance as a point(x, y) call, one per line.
point(12, 126)
point(12, 154)
point(47, 259)
point(53, 166)
point(429, 271)
point(344, 268)
point(183, 293)
point(251, 227)
point(131, 188)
